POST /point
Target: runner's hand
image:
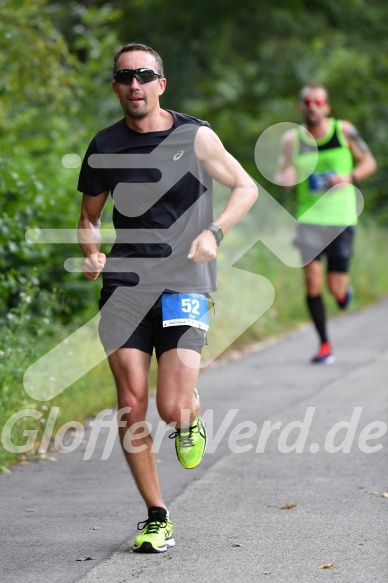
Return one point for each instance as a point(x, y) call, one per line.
point(93, 265)
point(203, 248)
point(286, 178)
point(335, 179)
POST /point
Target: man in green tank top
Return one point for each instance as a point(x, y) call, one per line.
point(324, 161)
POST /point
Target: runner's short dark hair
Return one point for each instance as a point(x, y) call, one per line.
point(138, 47)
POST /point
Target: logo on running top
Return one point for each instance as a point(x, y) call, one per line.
point(178, 155)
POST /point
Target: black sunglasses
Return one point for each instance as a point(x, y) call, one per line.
point(125, 76)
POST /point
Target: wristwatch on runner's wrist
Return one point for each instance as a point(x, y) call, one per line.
point(217, 232)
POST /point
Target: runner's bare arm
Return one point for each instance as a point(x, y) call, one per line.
point(365, 163)
point(89, 234)
point(225, 169)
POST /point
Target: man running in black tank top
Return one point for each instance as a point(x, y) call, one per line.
point(159, 166)
point(343, 160)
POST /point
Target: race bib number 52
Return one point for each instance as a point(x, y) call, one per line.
point(185, 310)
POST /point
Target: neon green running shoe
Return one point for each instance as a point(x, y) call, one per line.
point(190, 444)
point(156, 535)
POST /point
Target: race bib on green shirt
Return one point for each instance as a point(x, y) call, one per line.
point(319, 182)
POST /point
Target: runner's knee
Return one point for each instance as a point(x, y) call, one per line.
point(137, 407)
point(179, 413)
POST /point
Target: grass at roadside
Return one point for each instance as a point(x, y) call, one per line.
point(243, 293)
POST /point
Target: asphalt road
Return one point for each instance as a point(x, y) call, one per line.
point(282, 432)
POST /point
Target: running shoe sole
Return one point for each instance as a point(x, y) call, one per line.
point(325, 360)
point(147, 547)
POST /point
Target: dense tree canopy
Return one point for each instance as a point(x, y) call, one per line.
point(238, 64)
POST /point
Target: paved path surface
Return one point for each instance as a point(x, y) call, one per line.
point(228, 521)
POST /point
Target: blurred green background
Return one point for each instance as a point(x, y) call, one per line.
point(238, 65)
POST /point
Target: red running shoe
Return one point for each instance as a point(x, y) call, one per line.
point(325, 355)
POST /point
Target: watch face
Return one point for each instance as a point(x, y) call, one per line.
point(217, 231)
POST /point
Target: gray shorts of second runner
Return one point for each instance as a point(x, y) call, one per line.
point(336, 243)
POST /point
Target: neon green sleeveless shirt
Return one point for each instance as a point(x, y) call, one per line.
point(334, 156)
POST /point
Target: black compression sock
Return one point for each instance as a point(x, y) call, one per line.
point(317, 311)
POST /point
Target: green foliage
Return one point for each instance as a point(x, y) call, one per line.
point(37, 76)
point(20, 334)
point(38, 125)
point(27, 333)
